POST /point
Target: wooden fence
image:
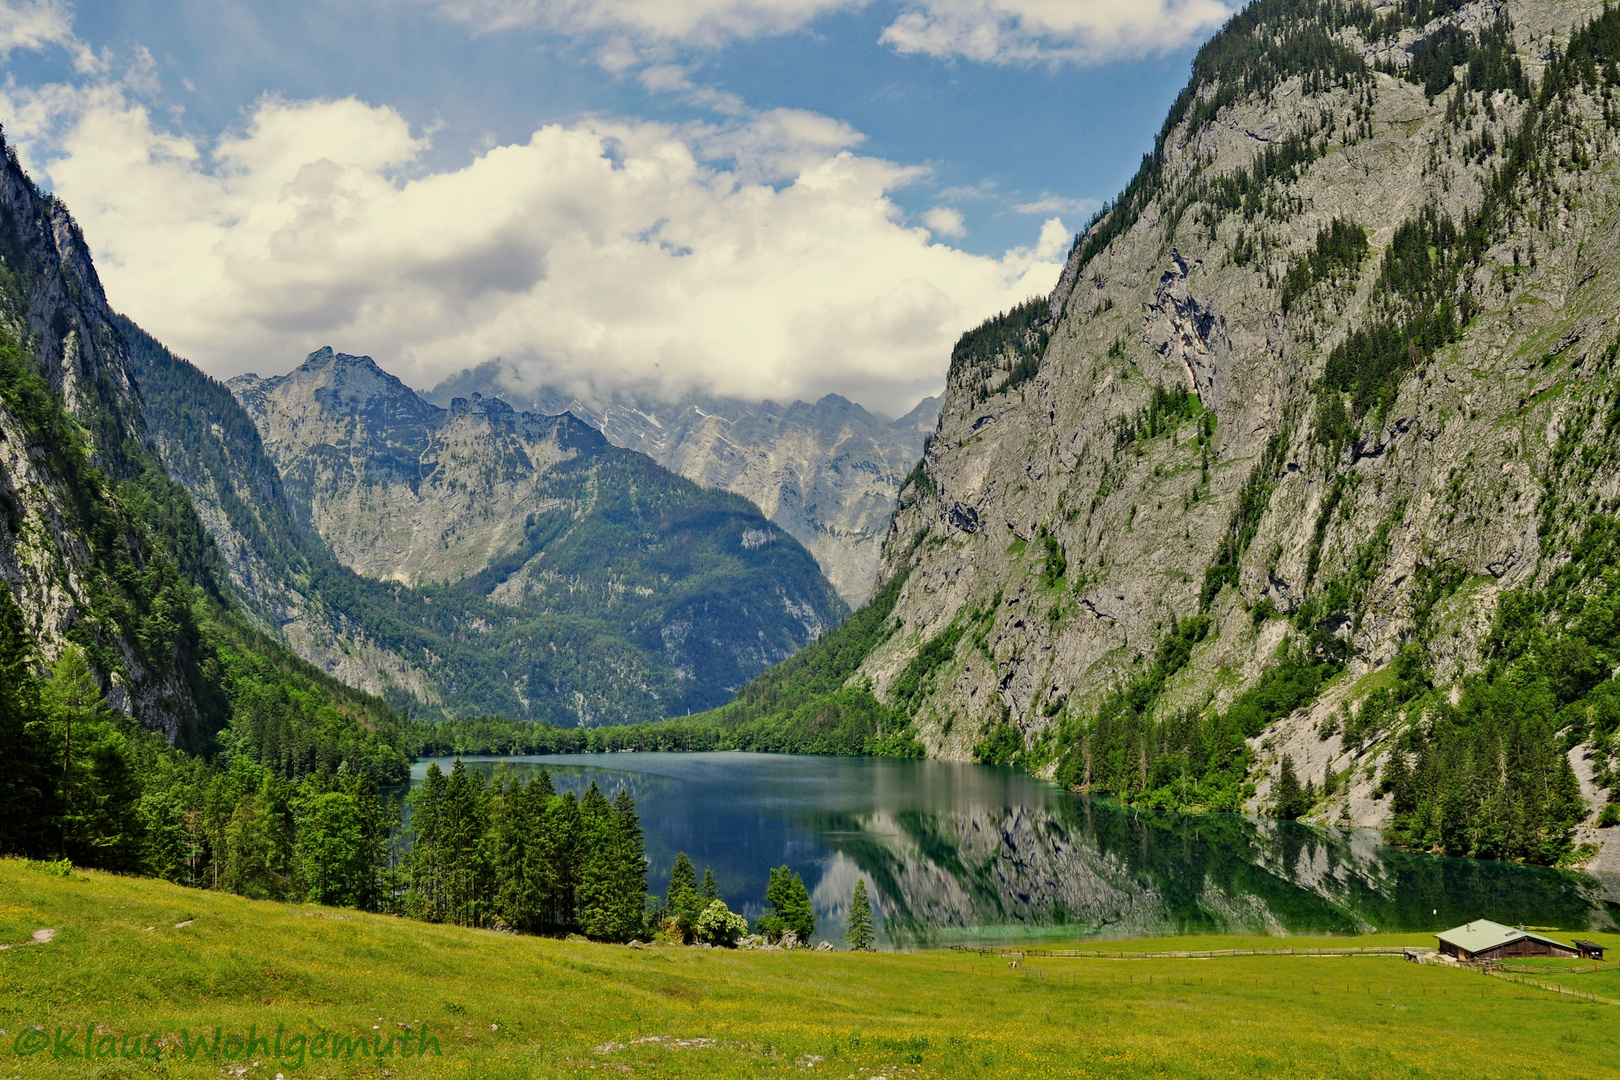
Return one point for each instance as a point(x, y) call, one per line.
point(1196, 954)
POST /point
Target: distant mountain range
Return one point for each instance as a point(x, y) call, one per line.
point(826, 473)
point(484, 560)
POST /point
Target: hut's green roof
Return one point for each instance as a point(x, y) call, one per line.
point(1482, 935)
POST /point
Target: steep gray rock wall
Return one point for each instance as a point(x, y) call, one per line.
point(54, 314)
point(400, 489)
point(280, 570)
point(1060, 536)
point(825, 472)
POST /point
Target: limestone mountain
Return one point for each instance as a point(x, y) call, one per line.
point(1312, 457)
point(495, 561)
point(101, 551)
point(826, 473)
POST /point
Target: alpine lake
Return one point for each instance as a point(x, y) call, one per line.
point(981, 855)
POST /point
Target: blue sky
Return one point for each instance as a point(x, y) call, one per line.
point(777, 177)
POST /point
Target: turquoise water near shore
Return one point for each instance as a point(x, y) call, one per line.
point(958, 853)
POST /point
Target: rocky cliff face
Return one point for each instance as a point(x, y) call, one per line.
point(1322, 388)
point(400, 489)
point(82, 563)
point(518, 564)
point(825, 473)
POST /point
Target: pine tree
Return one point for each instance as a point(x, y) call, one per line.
point(29, 808)
point(515, 825)
point(378, 822)
point(681, 900)
point(860, 932)
point(463, 848)
point(542, 786)
point(424, 866)
point(790, 907)
point(598, 868)
point(682, 878)
point(101, 824)
point(709, 891)
point(1288, 798)
point(630, 893)
point(561, 844)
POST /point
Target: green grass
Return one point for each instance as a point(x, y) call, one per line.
point(512, 1006)
point(1581, 976)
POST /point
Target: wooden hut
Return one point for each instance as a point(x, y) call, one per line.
point(1589, 950)
point(1486, 940)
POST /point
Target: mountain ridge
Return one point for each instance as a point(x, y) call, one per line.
point(826, 472)
point(1296, 495)
point(458, 554)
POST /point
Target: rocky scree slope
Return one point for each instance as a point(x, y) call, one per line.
point(566, 579)
point(827, 472)
point(1313, 456)
point(101, 550)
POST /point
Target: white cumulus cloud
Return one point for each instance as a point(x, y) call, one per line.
point(995, 31)
point(945, 221)
point(31, 25)
point(762, 258)
point(1005, 31)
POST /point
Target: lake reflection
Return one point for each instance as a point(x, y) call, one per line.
point(954, 852)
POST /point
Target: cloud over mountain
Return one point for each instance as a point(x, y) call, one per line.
point(758, 258)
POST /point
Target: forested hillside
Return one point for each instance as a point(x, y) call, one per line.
point(146, 724)
point(1298, 493)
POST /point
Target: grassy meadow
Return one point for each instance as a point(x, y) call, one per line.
point(139, 957)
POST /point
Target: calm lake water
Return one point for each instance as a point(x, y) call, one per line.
point(972, 853)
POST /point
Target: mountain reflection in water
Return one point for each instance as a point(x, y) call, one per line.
point(955, 853)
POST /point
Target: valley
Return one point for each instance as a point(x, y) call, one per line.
point(1260, 581)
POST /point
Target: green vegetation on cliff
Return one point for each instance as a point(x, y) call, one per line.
point(146, 724)
point(801, 705)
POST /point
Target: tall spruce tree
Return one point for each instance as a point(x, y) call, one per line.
point(598, 870)
point(30, 814)
point(101, 790)
point(1288, 798)
point(424, 865)
point(630, 880)
point(562, 839)
point(516, 821)
point(860, 932)
point(465, 851)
